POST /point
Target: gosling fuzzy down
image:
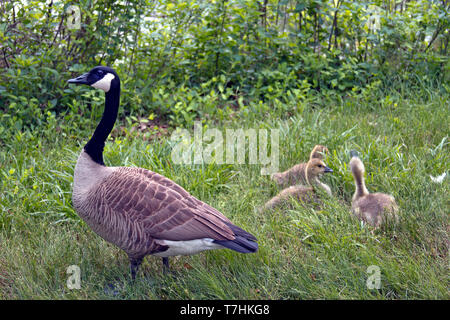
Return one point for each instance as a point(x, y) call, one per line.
point(314, 169)
point(298, 193)
point(318, 152)
point(372, 208)
point(297, 174)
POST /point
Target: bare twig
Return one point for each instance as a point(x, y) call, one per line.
point(4, 58)
point(333, 27)
point(59, 29)
point(439, 28)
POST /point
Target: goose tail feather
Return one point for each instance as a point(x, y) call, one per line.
point(244, 242)
point(239, 244)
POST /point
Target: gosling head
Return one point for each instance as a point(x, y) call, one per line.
point(100, 77)
point(318, 152)
point(316, 168)
point(356, 165)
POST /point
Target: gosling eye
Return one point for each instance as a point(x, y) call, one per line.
point(319, 165)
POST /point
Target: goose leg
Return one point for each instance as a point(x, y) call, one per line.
point(165, 261)
point(134, 266)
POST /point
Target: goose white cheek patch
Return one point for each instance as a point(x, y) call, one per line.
point(104, 83)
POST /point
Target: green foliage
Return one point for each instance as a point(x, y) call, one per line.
point(257, 47)
point(366, 75)
point(304, 253)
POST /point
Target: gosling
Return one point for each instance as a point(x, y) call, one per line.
point(314, 169)
point(372, 208)
point(297, 174)
point(318, 152)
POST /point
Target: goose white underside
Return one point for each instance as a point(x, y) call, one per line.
point(189, 247)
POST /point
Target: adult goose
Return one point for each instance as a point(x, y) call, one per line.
point(373, 208)
point(140, 211)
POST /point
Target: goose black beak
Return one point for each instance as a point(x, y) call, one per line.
point(353, 153)
point(83, 79)
point(327, 169)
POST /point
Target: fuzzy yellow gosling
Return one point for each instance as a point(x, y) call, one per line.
point(314, 169)
point(297, 174)
point(300, 193)
point(373, 208)
point(318, 152)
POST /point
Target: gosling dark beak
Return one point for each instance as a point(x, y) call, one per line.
point(328, 169)
point(83, 79)
point(354, 153)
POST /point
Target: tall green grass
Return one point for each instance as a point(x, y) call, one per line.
point(305, 252)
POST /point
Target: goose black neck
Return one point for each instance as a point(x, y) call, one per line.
point(94, 147)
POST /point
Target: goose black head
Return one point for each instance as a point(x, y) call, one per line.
point(100, 77)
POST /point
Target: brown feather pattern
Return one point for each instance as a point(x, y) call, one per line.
point(133, 206)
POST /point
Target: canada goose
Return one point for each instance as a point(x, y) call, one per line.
point(140, 211)
point(304, 173)
point(314, 169)
point(373, 208)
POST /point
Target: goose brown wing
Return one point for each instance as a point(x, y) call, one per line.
point(153, 176)
point(163, 209)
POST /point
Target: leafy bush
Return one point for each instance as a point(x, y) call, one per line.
point(258, 49)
